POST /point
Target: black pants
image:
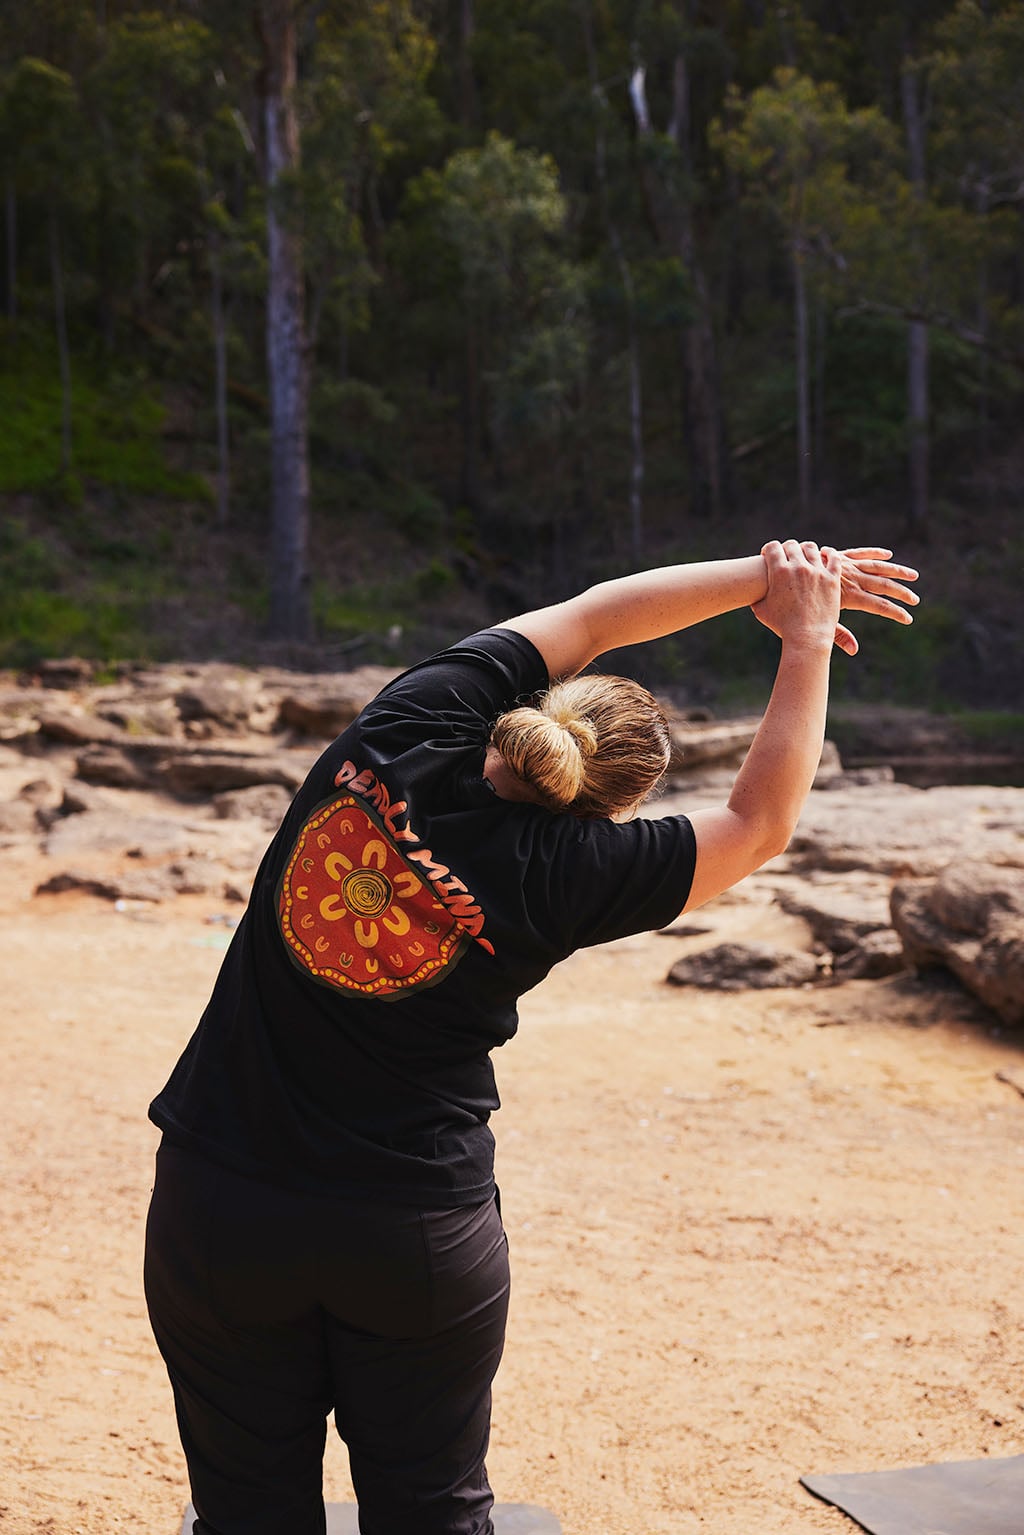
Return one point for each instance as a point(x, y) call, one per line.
point(274, 1308)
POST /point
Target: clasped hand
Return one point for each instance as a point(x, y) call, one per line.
point(808, 585)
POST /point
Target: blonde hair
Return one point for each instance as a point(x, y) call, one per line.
point(592, 745)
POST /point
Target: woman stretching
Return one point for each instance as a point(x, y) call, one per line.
point(324, 1234)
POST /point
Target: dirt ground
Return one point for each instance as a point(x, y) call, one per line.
point(753, 1236)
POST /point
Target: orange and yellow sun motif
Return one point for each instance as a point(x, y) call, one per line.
point(353, 912)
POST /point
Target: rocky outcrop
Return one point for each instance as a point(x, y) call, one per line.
point(971, 920)
point(167, 780)
point(330, 707)
point(739, 966)
point(842, 911)
point(898, 831)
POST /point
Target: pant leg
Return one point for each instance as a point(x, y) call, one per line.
point(414, 1410)
point(271, 1307)
point(252, 1391)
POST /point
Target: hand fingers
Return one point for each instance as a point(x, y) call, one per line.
point(869, 603)
point(882, 568)
point(846, 640)
point(880, 586)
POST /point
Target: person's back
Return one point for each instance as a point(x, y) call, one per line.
point(324, 1233)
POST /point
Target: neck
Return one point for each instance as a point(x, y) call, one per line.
point(505, 783)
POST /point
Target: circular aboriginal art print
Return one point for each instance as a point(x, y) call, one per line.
point(354, 913)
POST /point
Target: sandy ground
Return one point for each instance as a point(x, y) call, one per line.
point(753, 1236)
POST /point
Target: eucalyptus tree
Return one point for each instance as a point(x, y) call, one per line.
point(668, 168)
point(976, 68)
point(518, 298)
point(809, 160)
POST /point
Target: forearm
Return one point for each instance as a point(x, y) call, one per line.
point(776, 777)
point(653, 603)
point(632, 609)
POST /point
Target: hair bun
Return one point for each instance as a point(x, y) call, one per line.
point(579, 728)
point(547, 750)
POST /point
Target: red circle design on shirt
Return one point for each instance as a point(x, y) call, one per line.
point(356, 914)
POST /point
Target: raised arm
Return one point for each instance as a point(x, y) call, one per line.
point(802, 606)
point(632, 609)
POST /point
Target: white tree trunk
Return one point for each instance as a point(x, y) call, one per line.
point(287, 358)
point(636, 406)
point(917, 341)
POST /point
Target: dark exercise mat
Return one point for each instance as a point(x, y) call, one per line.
point(961, 1497)
point(509, 1519)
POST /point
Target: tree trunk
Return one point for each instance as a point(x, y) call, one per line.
point(11, 231)
point(917, 348)
point(220, 355)
point(287, 358)
point(672, 215)
point(63, 350)
point(803, 392)
point(636, 417)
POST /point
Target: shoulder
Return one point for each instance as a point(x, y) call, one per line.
point(484, 673)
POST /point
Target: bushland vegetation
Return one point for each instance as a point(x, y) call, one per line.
point(330, 329)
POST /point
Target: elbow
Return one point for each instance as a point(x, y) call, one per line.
point(773, 839)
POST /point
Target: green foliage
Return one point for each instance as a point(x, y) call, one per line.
point(903, 666)
point(466, 307)
point(118, 439)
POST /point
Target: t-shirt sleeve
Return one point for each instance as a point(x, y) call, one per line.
point(459, 691)
point(617, 879)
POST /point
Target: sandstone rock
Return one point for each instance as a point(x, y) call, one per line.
point(842, 912)
point(326, 708)
point(111, 831)
point(262, 802)
point(895, 830)
point(216, 771)
point(18, 820)
point(78, 797)
point(857, 778)
point(971, 920)
point(77, 728)
point(694, 744)
point(111, 765)
point(225, 703)
point(876, 955)
point(20, 709)
point(43, 793)
point(143, 717)
point(739, 966)
point(75, 879)
point(154, 885)
point(64, 672)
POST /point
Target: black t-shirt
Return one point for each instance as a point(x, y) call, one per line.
point(396, 918)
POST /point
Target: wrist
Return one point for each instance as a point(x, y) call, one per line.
point(810, 642)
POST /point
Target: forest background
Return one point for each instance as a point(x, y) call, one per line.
point(333, 329)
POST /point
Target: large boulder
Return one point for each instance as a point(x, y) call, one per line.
point(217, 705)
point(326, 706)
point(214, 771)
point(841, 910)
point(971, 920)
point(895, 830)
point(739, 966)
